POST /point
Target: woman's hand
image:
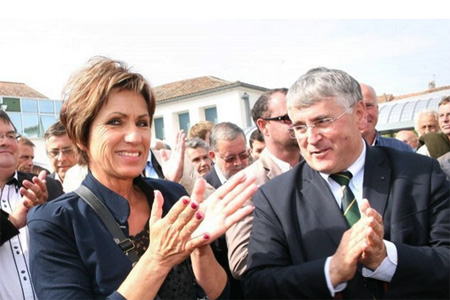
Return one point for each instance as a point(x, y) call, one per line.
point(224, 207)
point(170, 237)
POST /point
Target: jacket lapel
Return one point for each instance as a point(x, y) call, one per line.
point(319, 200)
point(377, 175)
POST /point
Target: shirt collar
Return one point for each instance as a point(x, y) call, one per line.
point(284, 166)
point(117, 204)
point(220, 175)
point(357, 168)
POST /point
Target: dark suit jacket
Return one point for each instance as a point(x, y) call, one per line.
point(54, 187)
point(7, 229)
point(213, 179)
point(298, 224)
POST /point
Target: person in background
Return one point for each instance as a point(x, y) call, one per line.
point(201, 130)
point(408, 137)
point(60, 151)
point(281, 154)
point(19, 191)
point(257, 144)
point(228, 150)
point(436, 144)
point(349, 221)
point(108, 113)
point(426, 121)
point(197, 151)
point(26, 155)
point(369, 133)
point(38, 169)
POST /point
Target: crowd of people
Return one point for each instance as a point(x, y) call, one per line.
point(319, 205)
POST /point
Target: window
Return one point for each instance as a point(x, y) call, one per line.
point(46, 106)
point(58, 105)
point(30, 125)
point(16, 119)
point(29, 105)
point(159, 128)
point(184, 121)
point(211, 114)
point(13, 104)
point(45, 123)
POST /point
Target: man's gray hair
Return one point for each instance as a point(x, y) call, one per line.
point(196, 142)
point(320, 83)
point(427, 111)
point(225, 131)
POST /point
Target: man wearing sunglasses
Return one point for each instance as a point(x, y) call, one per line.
point(280, 154)
point(228, 150)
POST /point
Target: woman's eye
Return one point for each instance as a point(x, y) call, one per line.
point(114, 122)
point(142, 124)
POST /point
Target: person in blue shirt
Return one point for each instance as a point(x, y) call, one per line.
point(108, 113)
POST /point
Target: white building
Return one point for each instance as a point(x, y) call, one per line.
point(182, 104)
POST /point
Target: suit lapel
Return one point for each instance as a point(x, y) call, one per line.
point(377, 175)
point(318, 198)
point(269, 165)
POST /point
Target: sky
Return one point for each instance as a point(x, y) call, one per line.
point(395, 53)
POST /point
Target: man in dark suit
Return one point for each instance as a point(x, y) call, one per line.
point(15, 187)
point(228, 150)
point(384, 232)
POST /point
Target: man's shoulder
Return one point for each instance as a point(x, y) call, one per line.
point(394, 143)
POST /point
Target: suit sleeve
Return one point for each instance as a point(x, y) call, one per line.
point(272, 273)
point(7, 229)
point(423, 245)
point(237, 238)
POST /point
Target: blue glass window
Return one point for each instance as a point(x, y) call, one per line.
point(211, 114)
point(184, 121)
point(31, 125)
point(29, 105)
point(46, 106)
point(159, 128)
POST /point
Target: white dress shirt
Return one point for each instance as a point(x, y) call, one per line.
point(15, 282)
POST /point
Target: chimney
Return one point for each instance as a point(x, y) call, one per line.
point(431, 85)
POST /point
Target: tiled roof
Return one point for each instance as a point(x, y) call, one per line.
point(429, 91)
point(15, 89)
point(190, 86)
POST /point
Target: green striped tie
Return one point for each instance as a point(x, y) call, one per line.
point(349, 205)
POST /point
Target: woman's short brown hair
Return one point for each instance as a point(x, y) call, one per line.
point(88, 90)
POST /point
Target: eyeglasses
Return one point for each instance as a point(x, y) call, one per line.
point(323, 125)
point(9, 136)
point(232, 158)
point(55, 153)
point(284, 119)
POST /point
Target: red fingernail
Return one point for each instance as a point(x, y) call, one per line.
point(198, 215)
point(185, 201)
point(194, 205)
point(206, 236)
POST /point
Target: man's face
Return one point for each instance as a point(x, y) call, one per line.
point(26, 156)
point(335, 148)
point(276, 132)
point(61, 153)
point(231, 156)
point(427, 123)
point(444, 118)
point(370, 100)
point(200, 159)
point(9, 153)
point(257, 148)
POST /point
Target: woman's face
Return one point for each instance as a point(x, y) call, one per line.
point(119, 138)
